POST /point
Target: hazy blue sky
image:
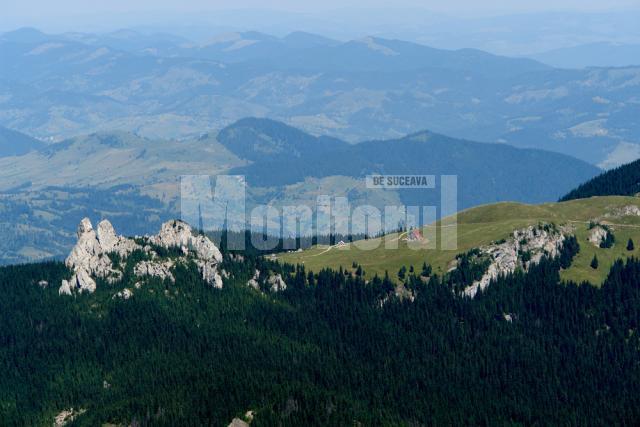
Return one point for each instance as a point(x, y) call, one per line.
point(38, 9)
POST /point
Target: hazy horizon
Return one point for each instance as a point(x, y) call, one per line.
point(498, 27)
point(283, 16)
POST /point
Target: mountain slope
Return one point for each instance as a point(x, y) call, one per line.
point(484, 225)
point(263, 140)
point(151, 350)
point(283, 167)
point(622, 181)
point(592, 55)
point(14, 143)
point(106, 159)
point(383, 55)
point(133, 180)
point(486, 172)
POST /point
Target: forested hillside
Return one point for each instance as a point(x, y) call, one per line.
point(329, 350)
point(283, 156)
point(621, 181)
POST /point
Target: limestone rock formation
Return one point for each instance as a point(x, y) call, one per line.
point(629, 210)
point(505, 257)
point(90, 257)
point(237, 422)
point(597, 235)
point(174, 233)
point(277, 283)
point(126, 293)
point(253, 282)
point(209, 273)
point(67, 416)
point(161, 270)
point(65, 288)
point(179, 234)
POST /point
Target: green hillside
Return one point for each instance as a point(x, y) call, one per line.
point(281, 155)
point(484, 225)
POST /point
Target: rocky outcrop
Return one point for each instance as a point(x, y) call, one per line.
point(179, 234)
point(90, 257)
point(81, 281)
point(161, 270)
point(237, 422)
point(629, 210)
point(597, 235)
point(401, 292)
point(209, 272)
point(253, 282)
point(507, 256)
point(126, 293)
point(67, 416)
point(65, 288)
point(173, 233)
point(276, 283)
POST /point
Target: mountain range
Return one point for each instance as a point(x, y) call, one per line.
point(431, 236)
point(54, 87)
point(14, 143)
point(134, 180)
point(602, 54)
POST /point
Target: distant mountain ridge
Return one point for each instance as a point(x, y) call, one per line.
point(382, 55)
point(263, 140)
point(13, 143)
point(601, 54)
point(486, 172)
point(135, 180)
point(162, 86)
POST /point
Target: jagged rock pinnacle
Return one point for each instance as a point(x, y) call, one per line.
point(89, 259)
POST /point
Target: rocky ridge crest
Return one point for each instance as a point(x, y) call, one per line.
point(505, 257)
point(90, 258)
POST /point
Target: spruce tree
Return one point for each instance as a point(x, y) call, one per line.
point(608, 240)
point(426, 270)
point(630, 246)
point(594, 262)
